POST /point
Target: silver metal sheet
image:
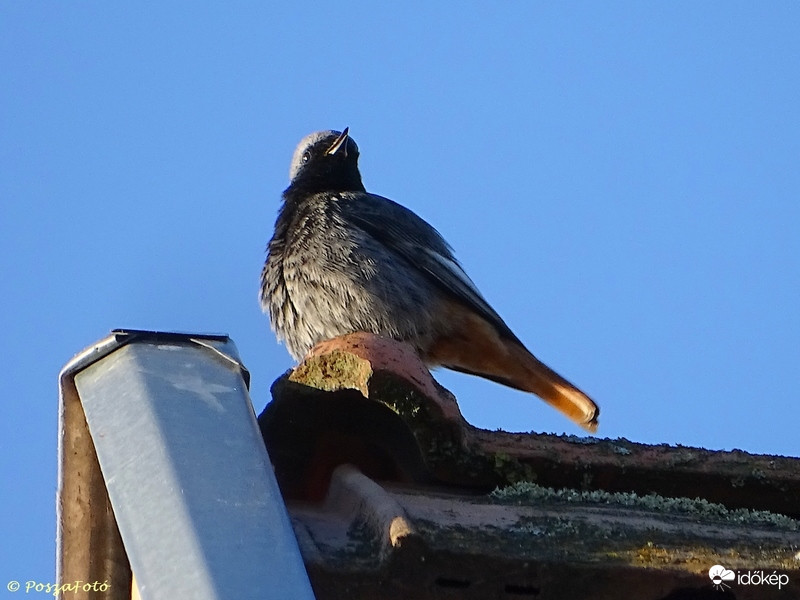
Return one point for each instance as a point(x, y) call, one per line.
point(189, 479)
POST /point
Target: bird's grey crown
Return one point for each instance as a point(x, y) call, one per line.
point(307, 142)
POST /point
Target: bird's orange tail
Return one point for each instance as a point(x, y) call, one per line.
point(536, 377)
point(476, 347)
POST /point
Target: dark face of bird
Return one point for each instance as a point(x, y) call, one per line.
point(326, 161)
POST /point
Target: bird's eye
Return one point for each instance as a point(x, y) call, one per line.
point(306, 157)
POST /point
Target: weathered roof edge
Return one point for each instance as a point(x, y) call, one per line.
point(370, 374)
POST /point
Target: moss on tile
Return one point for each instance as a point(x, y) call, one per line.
point(333, 371)
point(528, 492)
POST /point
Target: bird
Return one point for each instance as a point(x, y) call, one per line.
point(343, 260)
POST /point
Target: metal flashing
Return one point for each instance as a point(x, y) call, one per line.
point(163, 468)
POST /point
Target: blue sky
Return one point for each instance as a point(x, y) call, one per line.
point(620, 179)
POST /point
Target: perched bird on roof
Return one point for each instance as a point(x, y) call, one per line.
point(343, 260)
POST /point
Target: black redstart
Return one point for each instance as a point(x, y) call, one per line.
point(343, 260)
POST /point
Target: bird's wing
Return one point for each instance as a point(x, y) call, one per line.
point(415, 241)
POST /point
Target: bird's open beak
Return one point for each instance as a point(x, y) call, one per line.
point(341, 142)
